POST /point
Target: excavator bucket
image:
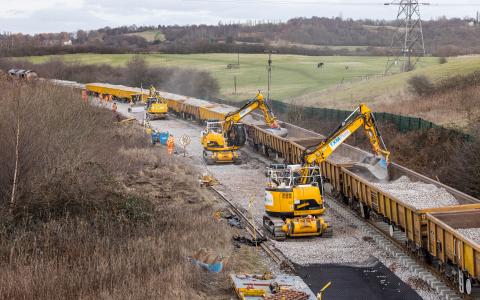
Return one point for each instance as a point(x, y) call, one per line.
point(377, 166)
point(280, 131)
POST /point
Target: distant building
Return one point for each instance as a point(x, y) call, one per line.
point(67, 43)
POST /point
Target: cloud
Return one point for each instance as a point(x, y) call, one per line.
point(25, 8)
point(32, 16)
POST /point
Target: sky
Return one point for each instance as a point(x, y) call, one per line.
point(35, 16)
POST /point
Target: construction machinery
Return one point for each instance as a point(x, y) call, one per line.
point(293, 198)
point(156, 107)
point(222, 139)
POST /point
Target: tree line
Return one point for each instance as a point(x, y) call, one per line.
point(307, 36)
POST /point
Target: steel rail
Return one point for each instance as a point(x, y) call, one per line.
point(267, 246)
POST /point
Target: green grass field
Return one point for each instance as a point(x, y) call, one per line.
point(297, 78)
point(379, 89)
point(292, 76)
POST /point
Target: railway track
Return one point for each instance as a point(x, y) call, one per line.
point(394, 245)
point(254, 231)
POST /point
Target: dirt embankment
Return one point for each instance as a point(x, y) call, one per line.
point(97, 212)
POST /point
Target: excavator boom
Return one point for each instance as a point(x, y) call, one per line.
point(362, 117)
point(257, 103)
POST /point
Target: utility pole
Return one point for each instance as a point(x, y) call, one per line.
point(269, 69)
point(235, 85)
point(407, 43)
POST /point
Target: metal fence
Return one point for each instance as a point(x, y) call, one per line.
point(403, 123)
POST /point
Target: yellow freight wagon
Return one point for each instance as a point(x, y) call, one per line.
point(174, 105)
point(215, 111)
point(398, 213)
point(174, 101)
point(455, 252)
point(119, 92)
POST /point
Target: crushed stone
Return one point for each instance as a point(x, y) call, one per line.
point(420, 195)
point(471, 233)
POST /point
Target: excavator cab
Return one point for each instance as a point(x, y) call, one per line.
point(236, 137)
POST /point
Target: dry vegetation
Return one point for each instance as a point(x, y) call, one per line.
point(455, 98)
point(98, 213)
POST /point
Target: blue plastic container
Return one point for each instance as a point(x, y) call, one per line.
point(155, 137)
point(163, 136)
point(216, 267)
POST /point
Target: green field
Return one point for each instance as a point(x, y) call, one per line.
point(150, 35)
point(297, 78)
point(292, 76)
point(380, 89)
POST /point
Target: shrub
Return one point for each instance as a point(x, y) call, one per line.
point(442, 60)
point(420, 85)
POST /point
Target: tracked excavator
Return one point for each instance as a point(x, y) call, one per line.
point(221, 140)
point(155, 106)
point(293, 198)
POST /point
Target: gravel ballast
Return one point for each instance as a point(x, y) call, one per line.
point(471, 233)
point(418, 194)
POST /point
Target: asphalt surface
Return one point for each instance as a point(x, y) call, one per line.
point(373, 281)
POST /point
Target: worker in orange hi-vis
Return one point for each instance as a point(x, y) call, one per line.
point(109, 98)
point(170, 144)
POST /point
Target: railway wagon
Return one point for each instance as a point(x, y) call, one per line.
point(454, 245)
point(401, 212)
point(190, 108)
point(173, 101)
point(215, 112)
point(119, 92)
point(174, 105)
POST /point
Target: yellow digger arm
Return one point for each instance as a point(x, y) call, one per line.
point(361, 117)
point(257, 103)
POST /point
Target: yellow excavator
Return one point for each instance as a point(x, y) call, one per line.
point(155, 106)
point(222, 139)
point(293, 198)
